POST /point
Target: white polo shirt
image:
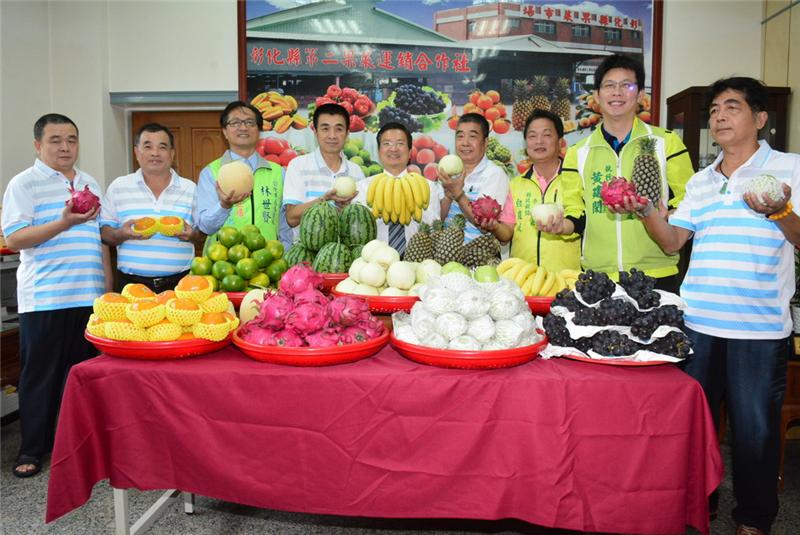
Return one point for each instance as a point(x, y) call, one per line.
point(309, 177)
point(429, 215)
point(66, 271)
point(741, 271)
point(129, 197)
point(486, 179)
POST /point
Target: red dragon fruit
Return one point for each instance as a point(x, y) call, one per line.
point(485, 209)
point(346, 310)
point(614, 191)
point(288, 338)
point(323, 338)
point(256, 334)
point(298, 278)
point(274, 310)
point(373, 327)
point(83, 200)
point(311, 295)
point(353, 335)
point(308, 318)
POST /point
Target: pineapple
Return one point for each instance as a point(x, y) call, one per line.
point(420, 246)
point(436, 231)
point(450, 241)
point(561, 106)
point(539, 101)
point(647, 171)
point(521, 107)
point(485, 249)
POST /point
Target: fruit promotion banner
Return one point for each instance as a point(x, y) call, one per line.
point(424, 64)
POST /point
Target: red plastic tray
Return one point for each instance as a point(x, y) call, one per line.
point(617, 362)
point(310, 356)
point(236, 298)
point(330, 280)
point(156, 350)
point(468, 360)
point(6, 250)
point(386, 305)
point(539, 305)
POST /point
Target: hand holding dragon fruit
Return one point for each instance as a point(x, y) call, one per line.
point(83, 201)
point(485, 210)
point(615, 191)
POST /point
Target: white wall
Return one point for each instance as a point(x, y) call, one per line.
point(707, 40)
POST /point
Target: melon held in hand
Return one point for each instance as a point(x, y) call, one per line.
point(235, 178)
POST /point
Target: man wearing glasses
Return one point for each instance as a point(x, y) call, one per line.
point(394, 151)
point(241, 124)
point(615, 241)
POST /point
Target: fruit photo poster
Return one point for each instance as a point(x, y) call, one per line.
point(425, 63)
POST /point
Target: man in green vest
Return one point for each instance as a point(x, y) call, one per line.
point(241, 124)
point(613, 241)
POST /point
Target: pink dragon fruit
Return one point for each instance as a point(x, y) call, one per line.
point(373, 327)
point(258, 335)
point(83, 200)
point(288, 338)
point(323, 338)
point(311, 295)
point(485, 209)
point(308, 318)
point(274, 310)
point(346, 310)
point(614, 192)
point(353, 335)
point(298, 278)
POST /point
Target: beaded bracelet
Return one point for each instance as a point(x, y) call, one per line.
point(783, 213)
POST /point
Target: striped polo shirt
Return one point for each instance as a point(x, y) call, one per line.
point(129, 197)
point(65, 271)
point(309, 177)
point(486, 179)
point(741, 271)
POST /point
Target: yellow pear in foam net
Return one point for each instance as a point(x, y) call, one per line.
point(125, 331)
point(218, 302)
point(111, 306)
point(194, 287)
point(138, 292)
point(96, 326)
point(213, 326)
point(145, 313)
point(183, 311)
point(164, 331)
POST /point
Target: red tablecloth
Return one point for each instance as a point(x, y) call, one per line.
point(557, 443)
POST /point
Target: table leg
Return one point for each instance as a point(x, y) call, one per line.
point(143, 523)
point(188, 503)
point(121, 512)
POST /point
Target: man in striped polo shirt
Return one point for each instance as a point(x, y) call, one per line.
point(310, 178)
point(61, 272)
point(154, 190)
point(738, 286)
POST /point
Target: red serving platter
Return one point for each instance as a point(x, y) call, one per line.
point(539, 305)
point(617, 361)
point(176, 349)
point(236, 298)
point(330, 280)
point(310, 356)
point(385, 304)
point(6, 250)
point(468, 360)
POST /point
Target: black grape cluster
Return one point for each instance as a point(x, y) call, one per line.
point(556, 329)
point(390, 114)
point(416, 101)
point(675, 344)
point(594, 286)
point(612, 343)
point(609, 312)
point(644, 325)
point(640, 287)
point(566, 298)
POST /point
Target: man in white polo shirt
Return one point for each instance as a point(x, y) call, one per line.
point(310, 178)
point(60, 274)
point(480, 177)
point(154, 190)
point(738, 286)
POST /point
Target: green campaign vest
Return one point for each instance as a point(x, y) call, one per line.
point(262, 208)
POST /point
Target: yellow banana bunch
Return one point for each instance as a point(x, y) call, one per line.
point(535, 280)
point(398, 200)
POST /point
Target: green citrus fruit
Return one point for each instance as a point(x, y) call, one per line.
point(263, 257)
point(201, 265)
point(237, 252)
point(275, 248)
point(221, 268)
point(217, 252)
point(254, 241)
point(228, 236)
point(259, 280)
point(246, 268)
point(276, 269)
point(232, 283)
point(214, 283)
point(249, 229)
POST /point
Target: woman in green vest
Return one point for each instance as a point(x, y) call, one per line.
point(540, 184)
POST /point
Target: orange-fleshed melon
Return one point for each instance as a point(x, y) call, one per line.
point(212, 326)
point(233, 321)
point(218, 302)
point(110, 306)
point(164, 331)
point(169, 225)
point(145, 226)
point(165, 296)
point(194, 287)
point(125, 331)
point(235, 178)
point(145, 313)
point(183, 311)
point(138, 292)
point(187, 335)
point(96, 326)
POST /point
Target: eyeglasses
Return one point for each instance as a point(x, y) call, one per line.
point(390, 144)
point(624, 86)
point(236, 123)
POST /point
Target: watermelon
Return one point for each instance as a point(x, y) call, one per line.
point(356, 225)
point(297, 254)
point(332, 258)
point(318, 226)
point(355, 251)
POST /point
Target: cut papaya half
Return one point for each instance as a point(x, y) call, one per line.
point(145, 226)
point(169, 225)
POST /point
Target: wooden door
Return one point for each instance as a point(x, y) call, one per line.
point(198, 137)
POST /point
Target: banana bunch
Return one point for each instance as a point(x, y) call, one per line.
point(398, 199)
point(536, 280)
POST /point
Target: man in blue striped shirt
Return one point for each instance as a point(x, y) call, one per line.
point(154, 190)
point(738, 286)
point(62, 270)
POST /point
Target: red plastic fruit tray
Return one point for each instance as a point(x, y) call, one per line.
point(176, 349)
point(469, 360)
